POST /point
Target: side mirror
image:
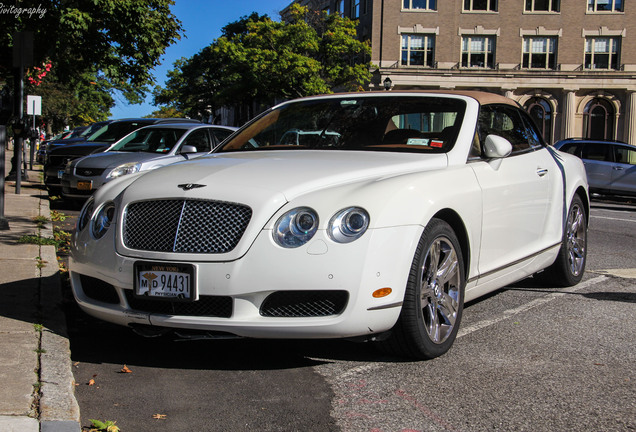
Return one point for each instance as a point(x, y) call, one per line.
point(188, 149)
point(497, 147)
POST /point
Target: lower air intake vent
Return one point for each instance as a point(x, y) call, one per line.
point(303, 304)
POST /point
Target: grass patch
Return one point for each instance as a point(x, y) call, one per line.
point(37, 240)
point(40, 221)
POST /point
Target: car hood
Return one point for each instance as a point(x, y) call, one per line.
point(236, 176)
point(113, 159)
point(265, 181)
point(80, 149)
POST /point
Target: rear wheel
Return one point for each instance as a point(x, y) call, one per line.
point(569, 266)
point(434, 298)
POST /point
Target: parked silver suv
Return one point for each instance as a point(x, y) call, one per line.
point(610, 165)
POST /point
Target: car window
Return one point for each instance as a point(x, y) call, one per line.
point(115, 131)
point(505, 121)
point(534, 136)
point(572, 148)
point(221, 134)
point(598, 152)
point(625, 155)
point(152, 140)
point(199, 139)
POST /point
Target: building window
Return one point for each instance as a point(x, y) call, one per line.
point(480, 5)
point(541, 112)
point(355, 9)
point(539, 53)
point(478, 52)
point(418, 50)
point(420, 4)
point(602, 53)
point(543, 5)
point(598, 119)
point(340, 7)
point(605, 6)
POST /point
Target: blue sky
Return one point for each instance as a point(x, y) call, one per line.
point(202, 21)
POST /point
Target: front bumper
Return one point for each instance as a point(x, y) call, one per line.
point(70, 185)
point(102, 282)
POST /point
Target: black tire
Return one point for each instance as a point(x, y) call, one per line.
point(569, 267)
point(434, 298)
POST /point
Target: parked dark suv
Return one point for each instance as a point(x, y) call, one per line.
point(98, 142)
point(610, 165)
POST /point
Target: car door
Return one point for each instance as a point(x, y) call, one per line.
point(623, 171)
point(516, 190)
point(599, 162)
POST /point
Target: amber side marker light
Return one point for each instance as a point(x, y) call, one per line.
point(382, 292)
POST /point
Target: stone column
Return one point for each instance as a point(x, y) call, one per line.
point(630, 119)
point(569, 113)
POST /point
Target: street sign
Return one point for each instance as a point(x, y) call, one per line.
point(34, 105)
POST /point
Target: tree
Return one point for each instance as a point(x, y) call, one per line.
point(260, 60)
point(94, 47)
point(166, 112)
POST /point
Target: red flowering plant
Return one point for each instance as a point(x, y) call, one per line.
point(36, 75)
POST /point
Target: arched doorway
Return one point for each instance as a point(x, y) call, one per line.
point(541, 112)
point(598, 120)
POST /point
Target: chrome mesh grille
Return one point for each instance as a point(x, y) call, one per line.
point(185, 226)
point(297, 304)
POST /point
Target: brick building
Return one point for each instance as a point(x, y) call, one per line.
point(570, 63)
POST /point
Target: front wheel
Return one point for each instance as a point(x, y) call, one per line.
point(434, 298)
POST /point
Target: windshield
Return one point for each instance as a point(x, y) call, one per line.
point(151, 140)
point(92, 129)
point(387, 123)
point(115, 131)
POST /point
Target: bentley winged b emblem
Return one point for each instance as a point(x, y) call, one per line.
point(188, 186)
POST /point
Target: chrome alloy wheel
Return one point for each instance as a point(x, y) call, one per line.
point(439, 289)
point(576, 239)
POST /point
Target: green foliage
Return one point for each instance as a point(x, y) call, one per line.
point(103, 426)
point(166, 112)
point(95, 47)
point(261, 60)
point(58, 216)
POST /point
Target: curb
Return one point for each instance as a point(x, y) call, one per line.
point(59, 410)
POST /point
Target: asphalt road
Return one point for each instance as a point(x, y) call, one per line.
point(528, 358)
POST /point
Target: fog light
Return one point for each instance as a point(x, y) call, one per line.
point(382, 292)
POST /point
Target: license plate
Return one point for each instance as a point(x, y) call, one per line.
point(173, 282)
point(84, 185)
point(60, 173)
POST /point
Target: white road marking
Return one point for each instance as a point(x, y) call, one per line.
point(612, 218)
point(622, 273)
point(535, 303)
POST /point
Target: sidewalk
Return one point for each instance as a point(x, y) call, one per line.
point(35, 366)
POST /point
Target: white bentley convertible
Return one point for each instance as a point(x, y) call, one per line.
point(369, 215)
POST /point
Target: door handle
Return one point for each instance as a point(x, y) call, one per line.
point(618, 168)
point(542, 171)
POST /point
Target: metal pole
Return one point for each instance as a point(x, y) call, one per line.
point(4, 223)
point(33, 141)
point(17, 148)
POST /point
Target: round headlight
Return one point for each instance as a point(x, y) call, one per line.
point(296, 227)
point(85, 215)
point(348, 224)
point(103, 218)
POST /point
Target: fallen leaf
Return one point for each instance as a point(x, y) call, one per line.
point(159, 416)
point(125, 370)
point(91, 382)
